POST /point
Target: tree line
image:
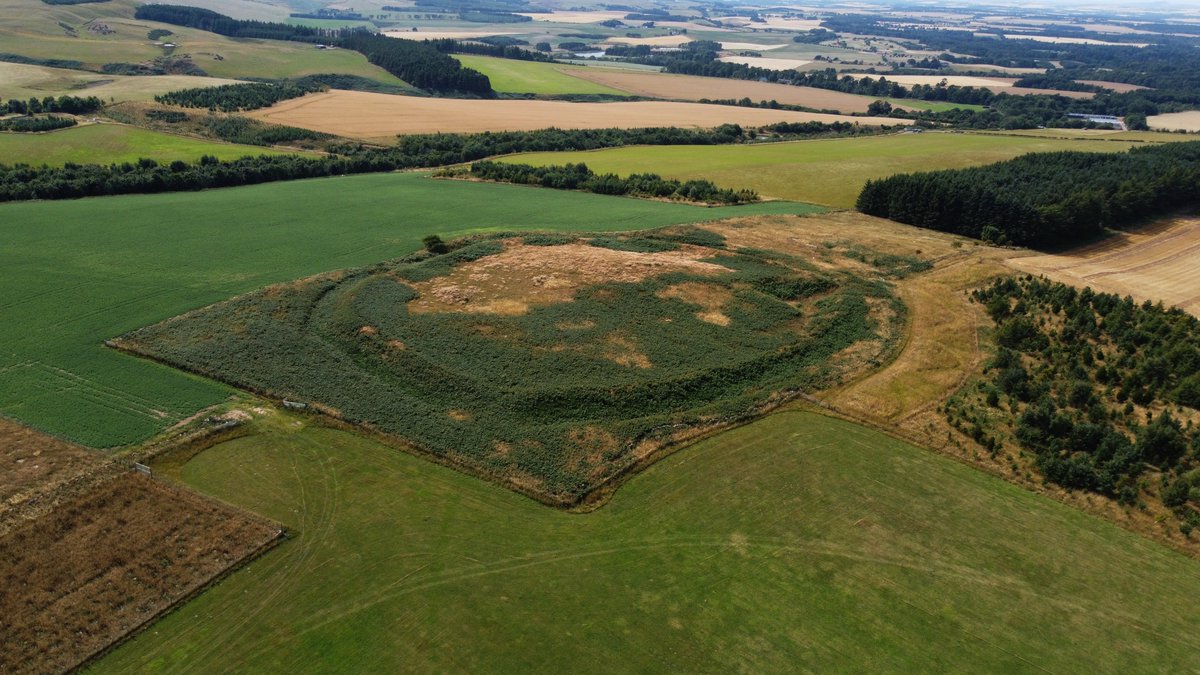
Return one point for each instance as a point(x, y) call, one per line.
point(71, 105)
point(235, 97)
point(22, 182)
point(417, 63)
point(1086, 382)
point(1043, 199)
point(35, 124)
point(580, 177)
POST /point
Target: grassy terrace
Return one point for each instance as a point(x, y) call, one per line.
point(113, 144)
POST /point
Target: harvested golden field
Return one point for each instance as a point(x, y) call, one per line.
point(102, 564)
point(448, 34)
point(1180, 121)
point(574, 17)
point(377, 116)
point(660, 41)
point(1157, 262)
point(750, 46)
point(1119, 87)
point(953, 80)
point(768, 63)
point(18, 80)
point(694, 88)
point(30, 458)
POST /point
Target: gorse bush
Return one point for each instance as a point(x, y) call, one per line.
point(553, 401)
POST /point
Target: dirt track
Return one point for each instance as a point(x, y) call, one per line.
point(366, 115)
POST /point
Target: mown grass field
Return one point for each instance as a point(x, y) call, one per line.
point(79, 272)
point(113, 144)
point(31, 28)
point(797, 543)
point(933, 106)
point(829, 172)
point(531, 77)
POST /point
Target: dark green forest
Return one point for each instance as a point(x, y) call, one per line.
point(580, 177)
point(235, 97)
point(1043, 199)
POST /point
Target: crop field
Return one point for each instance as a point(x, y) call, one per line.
point(531, 77)
point(769, 63)
point(380, 116)
point(29, 459)
point(1157, 262)
point(99, 565)
point(83, 271)
point(552, 367)
point(933, 106)
point(830, 172)
point(1180, 121)
point(797, 542)
point(692, 88)
point(113, 144)
point(24, 81)
point(107, 33)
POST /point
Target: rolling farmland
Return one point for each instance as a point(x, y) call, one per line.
point(380, 116)
point(114, 144)
point(869, 553)
point(829, 172)
point(84, 271)
point(24, 81)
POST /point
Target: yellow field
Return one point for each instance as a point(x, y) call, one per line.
point(24, 81)
point(660, 41)
point(375, 116)
point(1154, 263)
point(768, 63)
point(1119, 87)
point(1182, 121)
point(693, 88)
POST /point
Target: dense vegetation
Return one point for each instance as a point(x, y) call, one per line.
point(417, 151)
point(553, 401)
point(417, 63)
point(35, 124)
point(248, 131)
point(1087, 383)
point(580, 177)
point(71, 105)
point(235, 97)
point(1043, 199)
point(503, 50)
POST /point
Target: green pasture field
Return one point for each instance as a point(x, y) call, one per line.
point(30, 28)
point(113, 144)
point(830, 172)
point(82, 271)
point(797, 543)
point(932, 106)
point(531, 77)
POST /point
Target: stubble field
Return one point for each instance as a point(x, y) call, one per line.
point(381, 116)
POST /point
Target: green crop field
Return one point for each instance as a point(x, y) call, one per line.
point(531, 77)
point(932, 106)
point(83, 271)
point(113, 144)
point(31, 28)
point(829, 172)
point(796, 543)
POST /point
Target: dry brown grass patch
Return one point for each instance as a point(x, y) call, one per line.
point(521, 277)
point(712, 299)
point(30, 459)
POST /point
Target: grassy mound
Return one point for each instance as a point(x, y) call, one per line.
point(550, 364)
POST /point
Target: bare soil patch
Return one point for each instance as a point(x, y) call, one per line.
point(83, 576)
point(1157, 262)
point(377, 116)
point(30, 459)
point(693, 88)
point(521, 276)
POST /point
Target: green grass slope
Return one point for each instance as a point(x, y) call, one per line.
point(531, 77)
point(829, 172)
point(797, 543)
point(79, 272)
point(113, 144)
point(106, 32)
